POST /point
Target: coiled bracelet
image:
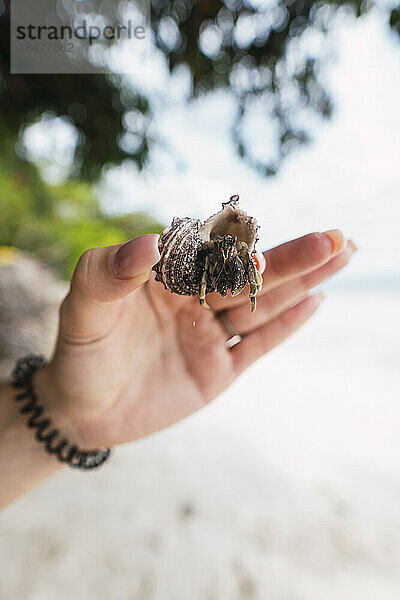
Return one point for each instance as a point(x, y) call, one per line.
point(53, 443)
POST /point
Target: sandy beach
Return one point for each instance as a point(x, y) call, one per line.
point(286, 488)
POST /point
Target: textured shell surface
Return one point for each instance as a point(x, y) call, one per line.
point(179, 267)
point(181, 245)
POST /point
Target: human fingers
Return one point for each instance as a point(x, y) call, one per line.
point(289, 261)
point(265, 338)
point(101, 278)
point(282, 297)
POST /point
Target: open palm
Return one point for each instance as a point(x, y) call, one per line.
point(132, 358)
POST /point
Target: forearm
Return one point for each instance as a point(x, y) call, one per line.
point(23, 460)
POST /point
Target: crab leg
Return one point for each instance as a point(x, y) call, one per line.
point(203, 286)
point(255, 281)
point(259, 279)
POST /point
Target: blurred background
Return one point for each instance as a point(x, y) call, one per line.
point(285, 488)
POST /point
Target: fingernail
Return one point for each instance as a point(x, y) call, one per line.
point(352, 246)
point(337, 239)
point(137, 257)
point(260, 261)
point(319, 297)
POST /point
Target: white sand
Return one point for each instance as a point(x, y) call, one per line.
point(286, 488)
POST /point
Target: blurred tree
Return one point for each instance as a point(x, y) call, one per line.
point(56, 223)
point(205, 36)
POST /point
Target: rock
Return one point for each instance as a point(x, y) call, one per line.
point(30, 294)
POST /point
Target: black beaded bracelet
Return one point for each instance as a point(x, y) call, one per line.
point(61, 448)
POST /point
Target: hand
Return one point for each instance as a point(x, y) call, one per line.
point(132, 358)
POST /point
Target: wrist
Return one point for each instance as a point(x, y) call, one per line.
point(32, 378)
point(75, 422)
point(23, 462)
point(54, 408)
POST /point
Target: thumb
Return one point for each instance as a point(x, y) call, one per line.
point(107, 274)
point(103, 276)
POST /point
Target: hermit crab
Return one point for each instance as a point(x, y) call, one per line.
point(199, 258)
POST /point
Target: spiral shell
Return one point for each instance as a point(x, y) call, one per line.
point(181, 245)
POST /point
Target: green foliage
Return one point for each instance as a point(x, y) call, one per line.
point(56, 223)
